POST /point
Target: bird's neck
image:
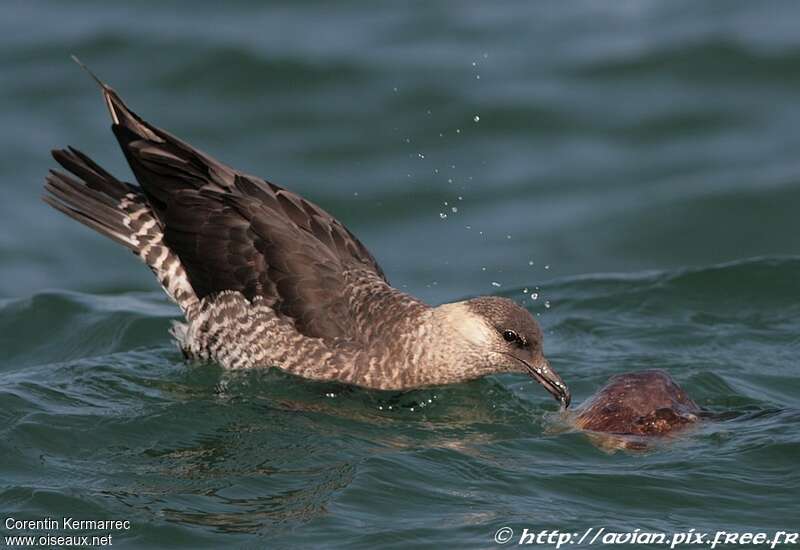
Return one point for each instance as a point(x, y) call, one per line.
point(429, 347)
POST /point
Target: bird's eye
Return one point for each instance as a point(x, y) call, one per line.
point(510, 336)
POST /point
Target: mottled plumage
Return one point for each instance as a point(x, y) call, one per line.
point(266, 278)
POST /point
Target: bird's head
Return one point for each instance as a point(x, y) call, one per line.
point(502, 336)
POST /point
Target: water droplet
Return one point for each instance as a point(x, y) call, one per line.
point(420, 155)
point(530, 262)
point(468, 227)
point(394, 89)
point(474, 63)
point(449, 180)
point(435, 170)
point(547, 304)
point(458, 130)
point(485, 55)
point(408, 140)
point(355, 194)
point(460, 198)
point(445, 203)
point(442, 215)
point(483, 269)
point(495, 283)
point(454, 209)
point(547, 267)
point(477, 77)
point(508, 236)
point(525, 290)
point(476, 118)
point(534, 296)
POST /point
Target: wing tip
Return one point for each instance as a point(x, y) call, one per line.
point(108, 92)
point(83, 66)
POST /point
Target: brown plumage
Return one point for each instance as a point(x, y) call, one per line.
point(266, 278)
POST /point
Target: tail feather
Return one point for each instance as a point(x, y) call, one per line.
point(93, 202)
point(121, 212)
point(91, 173)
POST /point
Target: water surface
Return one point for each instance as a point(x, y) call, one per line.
point(633, 167)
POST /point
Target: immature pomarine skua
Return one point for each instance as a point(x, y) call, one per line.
point(266, 278)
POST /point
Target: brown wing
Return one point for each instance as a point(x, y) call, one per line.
point(237, 232)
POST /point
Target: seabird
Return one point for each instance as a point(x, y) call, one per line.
point(266, 278)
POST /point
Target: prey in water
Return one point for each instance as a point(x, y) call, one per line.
point(635, 407)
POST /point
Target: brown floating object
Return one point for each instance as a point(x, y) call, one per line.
point(646, 403)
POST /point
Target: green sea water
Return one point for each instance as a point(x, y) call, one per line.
point(627, 170)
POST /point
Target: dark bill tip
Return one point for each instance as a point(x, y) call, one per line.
point(547, 377)
point(565, 398)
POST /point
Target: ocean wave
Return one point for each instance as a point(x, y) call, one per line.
point(758, 283)
point(710, 59)
point(56, 326)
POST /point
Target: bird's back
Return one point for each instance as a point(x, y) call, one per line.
point(260, 272)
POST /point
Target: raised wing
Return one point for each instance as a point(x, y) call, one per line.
point(241, 233)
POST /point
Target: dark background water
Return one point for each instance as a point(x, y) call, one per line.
point(635, 164)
